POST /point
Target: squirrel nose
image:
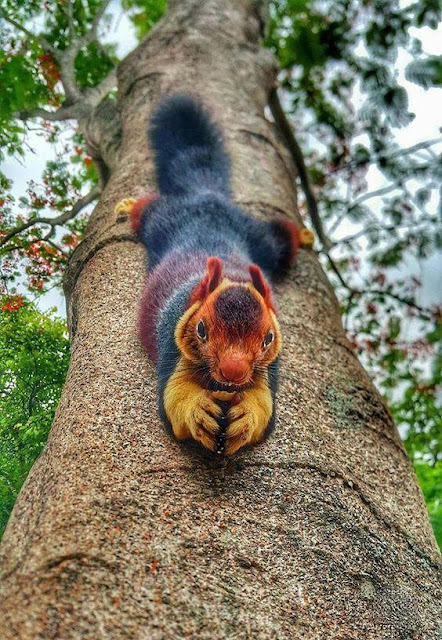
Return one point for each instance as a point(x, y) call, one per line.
point(234, 369)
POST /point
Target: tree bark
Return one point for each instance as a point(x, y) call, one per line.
point(121, 532)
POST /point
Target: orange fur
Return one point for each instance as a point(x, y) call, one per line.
point(220, 343)
point(193, 412)
point(295, 236)
point(210, 282)
point(191, 409)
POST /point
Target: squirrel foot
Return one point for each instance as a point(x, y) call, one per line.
point(125, 205)
point(306, 238)
point(203, 421)
point(249, 418)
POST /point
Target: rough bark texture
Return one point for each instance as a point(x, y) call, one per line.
point(121, 532)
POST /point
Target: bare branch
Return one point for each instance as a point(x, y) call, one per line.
point(400, 152)
point(66, 59)
point(298, 158)
point(386, 229)
point(57, 221)
point(70, 12)
point(64, 113)
point(338, 274)
point(91, 35)
point(427, 314)
point(47, 46)
point(374, 194)
point(96, 94)
point(100, 13)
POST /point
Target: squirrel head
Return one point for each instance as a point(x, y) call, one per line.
point(230, 330)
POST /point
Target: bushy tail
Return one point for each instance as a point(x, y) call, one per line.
point(189, 153)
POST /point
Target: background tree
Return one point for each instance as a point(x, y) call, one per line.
point(338, 481)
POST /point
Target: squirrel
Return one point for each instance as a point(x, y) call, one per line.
point(207, 315)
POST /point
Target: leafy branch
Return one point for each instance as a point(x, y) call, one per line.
point(312, 206)
point(37, 38)
point(53, 222)
point(78, 103)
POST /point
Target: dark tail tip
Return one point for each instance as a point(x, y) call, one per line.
point(188, 147)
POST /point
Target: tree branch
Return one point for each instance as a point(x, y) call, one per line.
point(91, 35)
point(298, 158)
point(96, 94)
point(286, 130)
point(64, 113)
point(427, 314)
point(380, 228)
point(400, 152)
point(47, 46)
point(100, 13)
point(66, 57)
point(57, 221)
point(374, 194)
point(70, 12)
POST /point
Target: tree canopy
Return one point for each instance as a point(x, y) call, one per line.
point(340, 94)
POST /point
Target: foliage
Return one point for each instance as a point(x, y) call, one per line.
point(418, 412)
point(34, 354)
point(430, 479)
point(144, 14)
point(341, 90)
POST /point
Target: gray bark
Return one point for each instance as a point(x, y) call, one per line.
point(120, 532)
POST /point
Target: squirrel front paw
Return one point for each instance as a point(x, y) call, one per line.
point(125, 205)
point(248, 419)
point(243, 429)
point(202, 421)
point(193, 412)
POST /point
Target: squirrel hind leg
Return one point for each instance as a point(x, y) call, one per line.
point(138, 209)
point(135, 208)
point(290, 238)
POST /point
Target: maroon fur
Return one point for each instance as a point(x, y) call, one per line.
point(239, 311)
point(137, 210)
point(293, 233)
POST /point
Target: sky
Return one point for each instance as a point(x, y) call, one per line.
point(426, 104)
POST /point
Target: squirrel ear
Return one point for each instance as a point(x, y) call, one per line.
point(212, 279)
point(214, 273)
point(261, 285)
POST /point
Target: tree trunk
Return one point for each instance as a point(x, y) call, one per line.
point(121, 532)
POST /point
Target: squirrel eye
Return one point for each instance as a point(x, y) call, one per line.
point(201, 330)
point(268, 340)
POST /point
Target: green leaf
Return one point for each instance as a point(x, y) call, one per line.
point(426, 73)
